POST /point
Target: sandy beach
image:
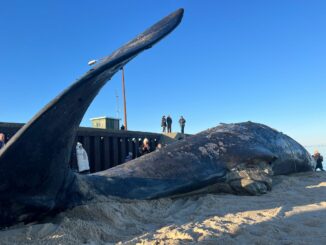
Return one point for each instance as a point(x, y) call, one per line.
point(294, 212)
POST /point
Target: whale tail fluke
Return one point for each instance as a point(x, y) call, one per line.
point(34, 168)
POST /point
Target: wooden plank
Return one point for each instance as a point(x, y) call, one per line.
point(127, 146)
point(115, 150)
point(97, 154)
point(123, 151)
point(107, 153)
point(87, 147)
point(155, 143)
point(140, 143)
point(152, 144)
point(131, 147)
point(134, 153)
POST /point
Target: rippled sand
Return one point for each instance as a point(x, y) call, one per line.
point(294, 212)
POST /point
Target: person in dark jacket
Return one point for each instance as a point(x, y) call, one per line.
point(169, 123)
point(145, 148)
point(2, 140)
point(319, 160)
point(163, 124)
point(182, 123)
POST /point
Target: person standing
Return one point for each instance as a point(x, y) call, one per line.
point(182, 123)
point(169, 123)
point(82, 159)
point(319, 160)
point(163, 124)
point(2, 140)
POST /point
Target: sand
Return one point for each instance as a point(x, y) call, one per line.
point(294, 212)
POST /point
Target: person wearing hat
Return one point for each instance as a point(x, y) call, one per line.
point(319, 160)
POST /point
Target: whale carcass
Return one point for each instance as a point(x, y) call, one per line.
point(35, 179)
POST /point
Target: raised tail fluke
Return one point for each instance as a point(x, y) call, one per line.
point(34, 163)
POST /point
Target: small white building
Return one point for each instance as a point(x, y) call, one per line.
point(106, 123)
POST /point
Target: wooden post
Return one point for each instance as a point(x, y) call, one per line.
point(131, 147)
point(123, 149)
point(87, 147)
point(116, 150)
point(97, 154)
point(107, 153)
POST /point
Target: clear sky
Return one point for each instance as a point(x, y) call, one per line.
point(228, 61)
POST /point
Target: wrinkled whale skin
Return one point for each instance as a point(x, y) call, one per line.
point(201, 160)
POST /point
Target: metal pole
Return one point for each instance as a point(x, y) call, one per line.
point(124, 98)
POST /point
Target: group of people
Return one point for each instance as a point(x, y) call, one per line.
point(166, 122)
point(144, 149)
point(83, 162)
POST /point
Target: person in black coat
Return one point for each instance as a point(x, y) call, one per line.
point(145, 148)
point(163, 124)
point(169, 123)
point(319, 160)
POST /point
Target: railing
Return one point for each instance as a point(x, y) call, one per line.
point(105, 148)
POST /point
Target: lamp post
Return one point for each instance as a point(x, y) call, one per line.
point(124, 98)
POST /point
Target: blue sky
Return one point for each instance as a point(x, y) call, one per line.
point(228, 61)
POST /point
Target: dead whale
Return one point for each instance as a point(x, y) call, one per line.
point(237, 158)
point(35, 179)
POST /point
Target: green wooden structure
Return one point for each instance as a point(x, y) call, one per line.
point(105, 123)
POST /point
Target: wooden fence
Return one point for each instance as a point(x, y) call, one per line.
point(105, 148)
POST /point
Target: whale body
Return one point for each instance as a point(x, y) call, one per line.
point(239, 158)
point(35, 179)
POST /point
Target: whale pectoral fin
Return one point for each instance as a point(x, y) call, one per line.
point(253, 180)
